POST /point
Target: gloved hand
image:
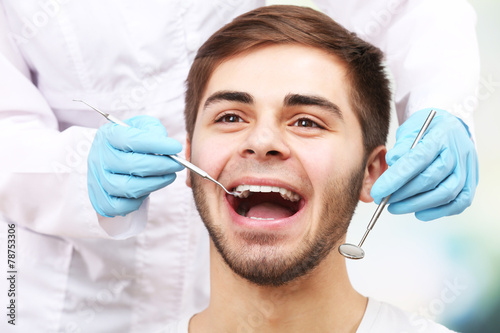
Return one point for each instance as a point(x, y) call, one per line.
point(123, 168)
point(436, 178)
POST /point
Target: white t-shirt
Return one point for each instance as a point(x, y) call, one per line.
point(379, 317)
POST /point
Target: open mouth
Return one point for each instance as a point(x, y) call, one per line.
point(265, 202)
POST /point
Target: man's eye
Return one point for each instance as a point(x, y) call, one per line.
point(305, 122)
point(229, 118)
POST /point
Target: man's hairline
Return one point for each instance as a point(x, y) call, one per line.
point(255, 48)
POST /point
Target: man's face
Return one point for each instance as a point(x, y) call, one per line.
point(276, 123)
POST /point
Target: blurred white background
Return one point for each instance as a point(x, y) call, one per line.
point(448, 270)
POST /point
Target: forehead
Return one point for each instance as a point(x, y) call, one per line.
point(271, 72)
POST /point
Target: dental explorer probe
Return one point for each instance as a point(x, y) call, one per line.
point(176, 158)
point(352, 251)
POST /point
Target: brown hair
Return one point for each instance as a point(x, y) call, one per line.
point(369, 87)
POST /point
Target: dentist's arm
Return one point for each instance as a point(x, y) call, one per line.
point(432, 53)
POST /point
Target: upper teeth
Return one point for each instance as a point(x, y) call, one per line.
point(286, 194)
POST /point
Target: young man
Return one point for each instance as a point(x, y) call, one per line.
point(291, 109)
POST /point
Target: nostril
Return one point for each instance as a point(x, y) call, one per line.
point(273, 152)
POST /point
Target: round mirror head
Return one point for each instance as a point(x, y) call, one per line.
point(351, 251)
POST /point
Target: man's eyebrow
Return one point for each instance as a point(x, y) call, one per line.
point(231, 96)
point(299, 99)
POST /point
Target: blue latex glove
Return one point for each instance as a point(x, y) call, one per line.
point(436, 178)
point(123, 168)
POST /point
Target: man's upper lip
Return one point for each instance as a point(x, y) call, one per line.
point(264, 182)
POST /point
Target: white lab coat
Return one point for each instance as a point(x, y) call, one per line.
point(78, 272)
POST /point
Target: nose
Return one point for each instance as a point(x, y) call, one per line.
point(265, 142)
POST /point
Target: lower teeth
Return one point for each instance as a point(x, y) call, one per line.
point(243, 212)
point(262, 219)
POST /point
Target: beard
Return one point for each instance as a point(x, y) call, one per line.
point(261, 259)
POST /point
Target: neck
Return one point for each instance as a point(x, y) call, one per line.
point(323, 299)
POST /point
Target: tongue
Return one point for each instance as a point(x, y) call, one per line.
point(267, 210)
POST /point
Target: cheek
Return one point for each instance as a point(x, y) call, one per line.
point(323, 160)
point(211, 153)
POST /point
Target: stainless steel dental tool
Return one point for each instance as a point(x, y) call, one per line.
point(352, 251)
point(176, 158)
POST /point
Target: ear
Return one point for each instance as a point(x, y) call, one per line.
point(375, 166)
point(188, 158)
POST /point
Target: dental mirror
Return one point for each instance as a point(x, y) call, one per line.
point(352, 251)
